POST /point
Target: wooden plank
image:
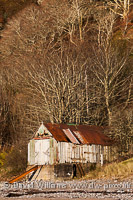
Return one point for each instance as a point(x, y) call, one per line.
point(76, 159)
point(91, 153)
point(80, 169)
point(24, 174)
point(31, 152)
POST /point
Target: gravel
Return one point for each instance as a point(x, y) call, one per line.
point(76, 189)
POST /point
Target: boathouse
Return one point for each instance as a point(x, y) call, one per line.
point(67, 150)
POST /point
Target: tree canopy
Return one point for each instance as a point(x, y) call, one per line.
point(64, 62)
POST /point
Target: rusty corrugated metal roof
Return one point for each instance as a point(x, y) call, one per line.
point(94, 135)
point(70, 135)
point(57, 133)
point(80, 137)
point(86, 134)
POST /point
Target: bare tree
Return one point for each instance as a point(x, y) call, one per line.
point(109, 68)
point(50, 88)
point(122, 8)
point(58, 91)
point(60, 80)
point(121, 131)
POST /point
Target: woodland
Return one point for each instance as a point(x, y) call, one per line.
point(65, 61)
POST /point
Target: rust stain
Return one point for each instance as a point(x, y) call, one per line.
point(86, 134)
point(41, 138)
point(57, 133)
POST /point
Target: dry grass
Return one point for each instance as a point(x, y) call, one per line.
point(12, 163)
point(114, 170)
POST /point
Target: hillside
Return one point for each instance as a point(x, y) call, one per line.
point(65, 62)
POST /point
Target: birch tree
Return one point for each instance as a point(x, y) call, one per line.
point(52, 75)
point(109, 68)
point(121, 7)
point(58, 81)
point(58, 91)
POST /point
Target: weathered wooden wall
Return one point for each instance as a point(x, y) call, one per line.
point(49, 152)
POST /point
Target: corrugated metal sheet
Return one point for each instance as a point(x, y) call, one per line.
point(84, 133)
point(57, 132)
point(80, 137)
point(70, 135)
point(94, 135)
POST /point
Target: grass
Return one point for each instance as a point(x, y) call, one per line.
point(16, 165)
point(113, 170)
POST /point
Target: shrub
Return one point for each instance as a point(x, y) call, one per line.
point(16, 160)
point(2, 158)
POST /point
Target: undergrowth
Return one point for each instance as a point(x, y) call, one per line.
point(113, 170)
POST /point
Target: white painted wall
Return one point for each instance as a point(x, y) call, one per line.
point(49, 151)
point(31, 155)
